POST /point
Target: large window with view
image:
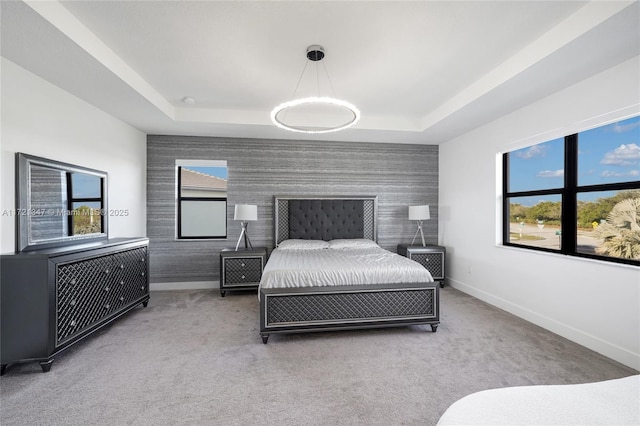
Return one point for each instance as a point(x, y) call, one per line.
point(201, 199)
point(578, 195)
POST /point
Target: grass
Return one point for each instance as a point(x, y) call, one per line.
point(516, 236)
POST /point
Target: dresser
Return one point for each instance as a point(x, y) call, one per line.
point(52, 298)
point(241, 269)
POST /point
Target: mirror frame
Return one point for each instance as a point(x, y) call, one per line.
point(24, 242)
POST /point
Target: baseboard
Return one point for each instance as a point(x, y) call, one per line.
point(193, 285)
point(594, 343)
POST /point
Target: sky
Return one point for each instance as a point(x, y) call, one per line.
point(85, 185)
point(220, 172)
point(607, 154)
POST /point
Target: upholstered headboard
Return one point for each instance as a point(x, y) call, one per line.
point(325, 218)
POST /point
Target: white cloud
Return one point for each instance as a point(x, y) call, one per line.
point(624, 155)
point(551, 173)
point(620, 128)
point(533, 152)
point(610, 174)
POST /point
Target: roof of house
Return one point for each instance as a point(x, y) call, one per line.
point(191, 179)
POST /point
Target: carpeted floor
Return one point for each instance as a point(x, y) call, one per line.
point(192, 357)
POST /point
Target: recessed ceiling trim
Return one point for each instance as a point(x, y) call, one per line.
point(583, 20)
point(58, 16)
point(81, 47)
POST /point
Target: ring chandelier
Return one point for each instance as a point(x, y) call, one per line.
point(280, 113)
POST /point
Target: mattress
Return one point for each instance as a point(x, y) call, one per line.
point(347, 265)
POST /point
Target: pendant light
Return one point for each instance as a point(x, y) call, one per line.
point(315, 114)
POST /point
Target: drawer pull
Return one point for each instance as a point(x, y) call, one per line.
point(72, 303)
point(73, 281)
point(107, 306)
point(73, 323)
point(121, 266)
point(106, 289)
point(121, 298)
point(242, 264)
point(243, 277)
point(106, 271)
point(121, 282)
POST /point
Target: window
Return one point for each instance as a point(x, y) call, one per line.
point(578, 195)
point(202, 199)
point(85, 202)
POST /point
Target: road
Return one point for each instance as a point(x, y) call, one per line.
point(549, 238)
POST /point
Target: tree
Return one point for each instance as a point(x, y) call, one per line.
point(589, 212)
point(621, 232)
point(596, 211)
point(548, 211)
point(517, 210)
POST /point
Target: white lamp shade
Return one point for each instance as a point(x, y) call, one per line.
point(246, 212)
point(419, 212)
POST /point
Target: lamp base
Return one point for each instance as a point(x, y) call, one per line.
point(421, 234)
point(247, 241)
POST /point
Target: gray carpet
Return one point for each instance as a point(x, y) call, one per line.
point(192, 357)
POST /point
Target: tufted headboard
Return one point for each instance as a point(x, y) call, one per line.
point(325, 218)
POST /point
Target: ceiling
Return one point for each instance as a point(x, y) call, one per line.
point(419, 71)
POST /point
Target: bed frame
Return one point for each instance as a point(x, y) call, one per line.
point(305, 309)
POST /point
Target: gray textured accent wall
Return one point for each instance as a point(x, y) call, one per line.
point(399, 174)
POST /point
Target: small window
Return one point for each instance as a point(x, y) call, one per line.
point(578, 195)
point(202, 199)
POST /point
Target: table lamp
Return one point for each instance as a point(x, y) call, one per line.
point(419, 213)
point(245, 213)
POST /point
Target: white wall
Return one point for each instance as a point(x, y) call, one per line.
point(596, 304)
point(40, 119)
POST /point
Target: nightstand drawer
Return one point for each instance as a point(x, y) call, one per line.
point(432, 258)
point(241, 264)
point(241, 276)
point(433, 262)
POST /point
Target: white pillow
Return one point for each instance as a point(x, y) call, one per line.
point(303, 245)
point(352, 243)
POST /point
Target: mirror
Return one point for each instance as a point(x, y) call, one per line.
point(58, 204)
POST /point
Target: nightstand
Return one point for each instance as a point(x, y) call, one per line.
point(431, 257)
point(241, 269)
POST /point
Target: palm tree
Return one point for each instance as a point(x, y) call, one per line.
point(621, 231)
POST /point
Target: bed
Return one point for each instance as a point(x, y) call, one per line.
point(304, 289)
point(610, 402)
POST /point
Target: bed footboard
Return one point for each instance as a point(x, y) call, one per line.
point(292, 310)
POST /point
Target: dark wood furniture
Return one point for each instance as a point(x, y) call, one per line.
point(52, 298)
point(241, 269)
point(290, 310)
point(432, 257)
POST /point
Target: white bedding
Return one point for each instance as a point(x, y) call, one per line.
point(340, 266)
point(611, 402)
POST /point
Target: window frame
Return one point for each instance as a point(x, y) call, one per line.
point(569, 193)
point(179, 199)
